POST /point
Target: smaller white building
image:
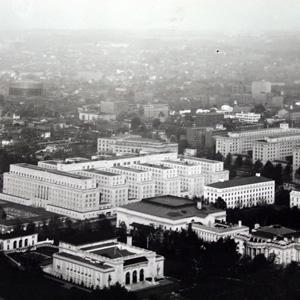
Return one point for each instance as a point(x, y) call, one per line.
point(104, 263)
point(274, 242)
point(295, 198)
point(248, 117)
point(219, 230)
point(168, 212)
point(17, 241)
point(242, 192)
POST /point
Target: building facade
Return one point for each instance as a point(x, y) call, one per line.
point(242, 192)
point(105, 263)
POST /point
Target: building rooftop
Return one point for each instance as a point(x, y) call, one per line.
point(156, 166)
point(170, 207)
point(181, 163)
point(273, 231)
point(201, 159)
point(129, 169)
point(88, 261)
point(60, 173)
point(238, 182)
point(102, 172)
point(112, 252)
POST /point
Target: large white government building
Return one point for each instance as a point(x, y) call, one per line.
point(133, 144)
point(83, 188)
point(243, 141)
point(64, 193)
point(105, 263)
point(242, 192)
point(274, 242)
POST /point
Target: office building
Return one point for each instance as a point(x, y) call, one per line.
point(140, 182)
point(112, 187)
point(275, 148)
point(133, 144)
point(248, 117)
point(241, 142)
point(72, 195)
point(212, 170)
point(242, 192)
point(167, 181)
point(295, 198)
point(191, 179)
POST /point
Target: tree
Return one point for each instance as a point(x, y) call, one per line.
point(277, 174)
point(182, 145)
point(257, 167)
point(259, 109)
point(268, 170)
point(239, 161)
point(3, 214)
point(218, 156)
point(135, 123)
point(287, 173)
point(228, 161)
point(220, 203)
point(156, 123)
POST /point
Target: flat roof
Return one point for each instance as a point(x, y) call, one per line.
point(156, 166)
point(112, 252)
point(129, 169)
point(181, 163)
point(170, 207)
point(102, 172)
point(91, 262)
point(239, 181)
point(273, 231)
point(211, 161)
point(60, 173)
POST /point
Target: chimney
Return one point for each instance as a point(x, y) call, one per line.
point(257, 174)
point(199, 205)
point(129, 240)
point(240, 223)
point(256, 226)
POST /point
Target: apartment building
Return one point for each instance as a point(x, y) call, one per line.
point(167, 181)
point(242, 192)
point(72, 195)
point(242, 142)
point(275, 148)
point(296, 159)
point(105, 263)
point(248, 117)
point(113, 188)
point(140, 182)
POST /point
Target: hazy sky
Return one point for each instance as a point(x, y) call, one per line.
point(216, 15)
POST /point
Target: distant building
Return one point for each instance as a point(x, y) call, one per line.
point(200, 137)
point(275, 148)
point(274, 242)
point(25, 89)
point(296, 159)
point(242, 192)
point(248, 117)
point(167, 212)
point(133, 144)
point(210, 119)
point(240, 142)
point(158, 110)
point(103, 264)
point(114, 107)
point(260, 91)
point(92, 116)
